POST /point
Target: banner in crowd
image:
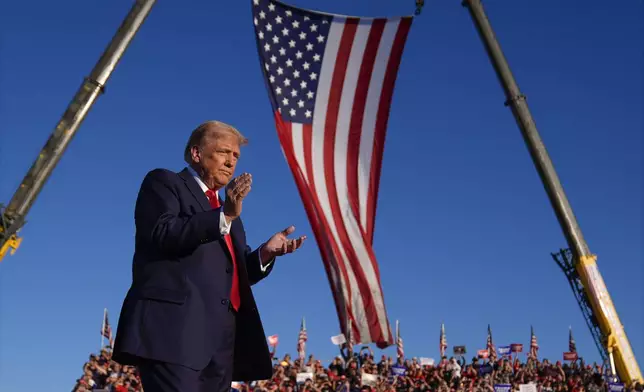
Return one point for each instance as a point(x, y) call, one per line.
point(528, 388)
point(615, 387)
point(330, 81)
point(338, 340)
point(483, 354)
point(398, 370)
point(516, 347)
point(502, 387)
point(505, 351)
point(570, 356)
point(459, 350)
point(426, 361)
point(301, 378)
point(369, 379)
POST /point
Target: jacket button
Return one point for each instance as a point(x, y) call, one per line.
point(224, 302)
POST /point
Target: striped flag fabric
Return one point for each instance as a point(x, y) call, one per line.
point(400, 347)
point(443, 341)
point(491, 350)
point(301, 341)
point(330, 80)
point(534, 347)
point(572, 346)
point(106, 330)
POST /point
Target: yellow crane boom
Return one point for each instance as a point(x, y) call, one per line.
point(12, 218)
point(593, 294)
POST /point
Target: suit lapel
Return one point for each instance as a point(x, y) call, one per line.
point(235, 228)
point(194, 188)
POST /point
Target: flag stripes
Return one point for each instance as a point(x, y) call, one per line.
point(336, 158)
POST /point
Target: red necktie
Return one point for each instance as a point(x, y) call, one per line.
point(234, 290)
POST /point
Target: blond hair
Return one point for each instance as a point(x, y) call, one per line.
point(210, 129)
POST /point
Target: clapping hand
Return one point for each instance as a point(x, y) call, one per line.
point(279, 244)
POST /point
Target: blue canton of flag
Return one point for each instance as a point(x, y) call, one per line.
point(291, 47)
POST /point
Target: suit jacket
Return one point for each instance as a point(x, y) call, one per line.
point(182, 275)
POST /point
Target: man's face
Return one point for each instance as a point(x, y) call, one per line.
point(217, 158)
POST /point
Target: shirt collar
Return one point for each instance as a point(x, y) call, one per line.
point(202, 184)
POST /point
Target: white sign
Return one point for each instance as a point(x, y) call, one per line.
point(527, 388)
point(338, 339)
point(369, 379)
point(302, 377)
point(426, 361)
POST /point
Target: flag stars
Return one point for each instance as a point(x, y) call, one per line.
point(285, 101)
point(293, 93)
point(266, 66)
point(289, 63)
point(278, 91)
point(267, 47)
point(299, 55)
point(278, 20)
point(287, 82)
point(307, 114)
point(314, 28)
point(302, 35)
point(261, 35)
point(296, 74)
point(303, 85)
point(262, 15)
point(271, 7)
point(291, 44)
point(273, 60)
point(309, 46)
point(292, 112)
point(289, 13)
point(272, 79)
point(306, 66)
point(300, 103)
point(309, 95)
point(276, 39)
point(282, 52)
point(269, 27)
point(320, 38)
point(296, 24)
point(256, 2)
point(316, 57)
point(280, 71)
point(313, 76)
point(307, 18)
point(285, 31)
point(255, 21)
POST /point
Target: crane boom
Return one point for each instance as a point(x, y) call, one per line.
point(13, 216)
point(585, 263)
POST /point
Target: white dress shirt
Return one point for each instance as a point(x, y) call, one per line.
point(224, 226)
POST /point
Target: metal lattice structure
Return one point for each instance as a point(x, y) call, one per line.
point(565, 260)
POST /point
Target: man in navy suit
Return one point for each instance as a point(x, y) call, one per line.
point(189, 321)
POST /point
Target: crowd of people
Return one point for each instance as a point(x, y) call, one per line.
point(362, 372)
point(100, 373)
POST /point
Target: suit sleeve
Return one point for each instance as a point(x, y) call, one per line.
point(159, 223)
point(254, 266)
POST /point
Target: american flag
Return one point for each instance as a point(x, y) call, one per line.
point(534, 347)
point(572, 346)
point(106, 329)
point(301, 341)
point(399, 343)
point(443, 341)
point(491, 350)
point(330, 81)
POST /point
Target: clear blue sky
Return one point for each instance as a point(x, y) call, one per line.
point(464, 229)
